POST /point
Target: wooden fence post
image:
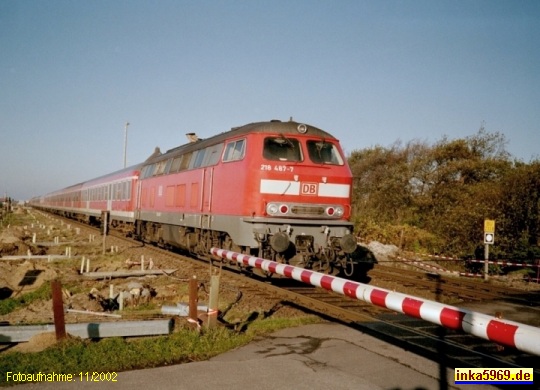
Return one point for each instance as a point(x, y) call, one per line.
point(58, 310)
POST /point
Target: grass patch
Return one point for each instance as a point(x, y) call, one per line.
point(10, 304)
point(118, 354)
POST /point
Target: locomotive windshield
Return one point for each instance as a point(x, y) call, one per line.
point(282, 149)
point(321, 152)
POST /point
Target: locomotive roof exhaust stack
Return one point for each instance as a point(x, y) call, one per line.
point(192, 137)
point(157, 152)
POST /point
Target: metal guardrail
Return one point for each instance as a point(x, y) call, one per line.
point(90, 330)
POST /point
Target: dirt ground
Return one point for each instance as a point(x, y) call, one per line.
point(87, 300)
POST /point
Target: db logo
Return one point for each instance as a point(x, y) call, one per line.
point(309, 189)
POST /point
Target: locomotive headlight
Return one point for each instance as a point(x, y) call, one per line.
point(272, 208)
point(334, 211)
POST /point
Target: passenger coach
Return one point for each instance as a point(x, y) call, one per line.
point(114, 194)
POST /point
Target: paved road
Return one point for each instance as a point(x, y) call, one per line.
point(322, 356)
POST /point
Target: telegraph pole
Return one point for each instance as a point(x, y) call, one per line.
point(125, 143)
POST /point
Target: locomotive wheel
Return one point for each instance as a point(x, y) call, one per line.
point(298, 261)
point(323, 265)
point(241, 268)
point(278, 258)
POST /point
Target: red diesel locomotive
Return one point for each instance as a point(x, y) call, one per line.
point(277, 190)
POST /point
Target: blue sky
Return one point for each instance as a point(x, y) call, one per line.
point(72, 73)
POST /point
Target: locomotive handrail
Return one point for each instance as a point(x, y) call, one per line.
point(525, 338)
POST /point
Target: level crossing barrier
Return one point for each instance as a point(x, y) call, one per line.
point(523, 337)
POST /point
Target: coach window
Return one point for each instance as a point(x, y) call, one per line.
point(127, 191)
point(234, 151)
point(282, 149)
point(321, 152)
point(120, 191)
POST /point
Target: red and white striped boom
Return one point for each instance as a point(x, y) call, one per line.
point(525, 338)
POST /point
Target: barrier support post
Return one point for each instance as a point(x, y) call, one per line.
point(213, 301)
point(193, 300)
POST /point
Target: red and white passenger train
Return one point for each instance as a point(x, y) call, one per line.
point(277, 190)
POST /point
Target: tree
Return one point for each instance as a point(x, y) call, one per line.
point(440, 194)
point(519, 214)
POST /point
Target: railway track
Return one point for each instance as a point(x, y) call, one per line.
point(456, 349)
point(454, 287)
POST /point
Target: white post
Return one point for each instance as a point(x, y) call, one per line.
point(125, 143)
point(486, 261)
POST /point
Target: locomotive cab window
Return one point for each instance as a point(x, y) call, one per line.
point(160, 167)
point(175, 165)
point(234, 151)
point(148, 171)
point(212, 155)
point(199, 158)
point(321, 152)
point(282, 149)
point(186, 158)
